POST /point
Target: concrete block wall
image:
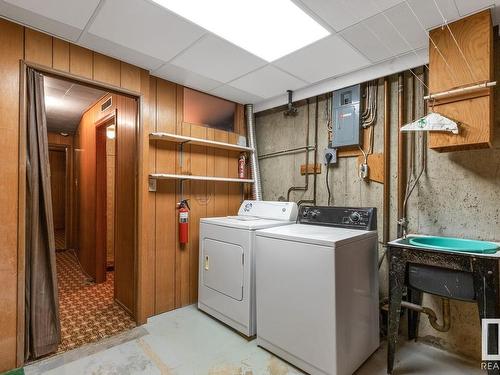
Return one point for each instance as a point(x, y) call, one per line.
point(458, 194)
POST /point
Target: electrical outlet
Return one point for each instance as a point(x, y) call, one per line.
point(333, 156)
point(363, 171)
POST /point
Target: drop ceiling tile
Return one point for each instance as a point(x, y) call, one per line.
point(327, 58)
point(340, 14)
point(185, 77)
point(466, 7)
point(55, 23)
point(120, 52)
point(407, 26)
point(428, 14)
point(267, 82)
point(216, 58)
point(362, 38)
point(145, 27)
point(236, 95)
point(70, 12)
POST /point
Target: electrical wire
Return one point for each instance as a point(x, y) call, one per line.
point(328, 184)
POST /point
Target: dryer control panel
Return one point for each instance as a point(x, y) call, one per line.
point(269, 210)
point(364, 218)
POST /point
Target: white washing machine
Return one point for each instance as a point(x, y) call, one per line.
point(226, 288)
point(317, 289)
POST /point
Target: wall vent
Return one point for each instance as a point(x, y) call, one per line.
point(106, 104)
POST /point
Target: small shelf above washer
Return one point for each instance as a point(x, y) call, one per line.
point(160, 136)
point(168, 176)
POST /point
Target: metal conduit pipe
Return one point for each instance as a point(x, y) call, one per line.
point(315, 177)
point(254, 162)
point(387, 160)
point(306, 184)
point(285, 152)
point(401, 157)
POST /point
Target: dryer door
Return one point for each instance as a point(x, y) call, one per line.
point(223, 267)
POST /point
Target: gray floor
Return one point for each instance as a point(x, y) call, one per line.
point(188, 342)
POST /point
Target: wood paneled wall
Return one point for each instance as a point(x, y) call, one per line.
point(176, 267)
point(167, 275)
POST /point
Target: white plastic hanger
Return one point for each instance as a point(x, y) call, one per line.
point(432, 122)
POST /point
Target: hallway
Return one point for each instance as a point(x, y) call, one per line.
point(88, 311)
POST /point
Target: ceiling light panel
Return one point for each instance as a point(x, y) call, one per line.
point(268, 29)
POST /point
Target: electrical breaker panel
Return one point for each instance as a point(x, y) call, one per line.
point(346, 126)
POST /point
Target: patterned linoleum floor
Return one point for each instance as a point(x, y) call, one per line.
point(88, 311)
point(59, 239)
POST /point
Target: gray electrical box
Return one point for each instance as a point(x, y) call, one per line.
point(346, 126)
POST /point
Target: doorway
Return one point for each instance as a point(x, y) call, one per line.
point(58, 182)
point(92, 142)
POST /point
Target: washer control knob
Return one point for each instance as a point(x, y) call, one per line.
point(355, 217)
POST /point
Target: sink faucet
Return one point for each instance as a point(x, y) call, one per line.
point(403, 226)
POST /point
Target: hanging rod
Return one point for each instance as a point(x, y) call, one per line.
point(460, 90)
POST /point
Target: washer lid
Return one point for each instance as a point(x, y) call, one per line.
point(315, 234)
point(244, 222)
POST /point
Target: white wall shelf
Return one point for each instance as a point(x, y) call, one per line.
point(183, 177)
point(160, 136)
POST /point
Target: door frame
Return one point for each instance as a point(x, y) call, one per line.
point(101, 192)
point(68, 198)
point(138, 187)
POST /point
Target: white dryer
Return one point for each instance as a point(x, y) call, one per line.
point(226, 288)
point(317, 289)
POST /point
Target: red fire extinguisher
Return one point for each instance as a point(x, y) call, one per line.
point(242, 166)
point(183, 222)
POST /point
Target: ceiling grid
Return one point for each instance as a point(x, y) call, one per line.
point(367, 37)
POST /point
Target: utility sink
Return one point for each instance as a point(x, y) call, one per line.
point(454, 244)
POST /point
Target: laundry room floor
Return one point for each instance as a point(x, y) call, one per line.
point(189, 342)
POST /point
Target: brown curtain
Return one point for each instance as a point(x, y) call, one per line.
point(42, 328)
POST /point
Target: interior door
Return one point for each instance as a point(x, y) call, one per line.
point(57, 159)
point(125, 203)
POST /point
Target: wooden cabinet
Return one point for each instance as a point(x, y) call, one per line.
point(462, 58)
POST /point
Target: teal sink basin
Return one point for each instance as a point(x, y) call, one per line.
point(455, 244)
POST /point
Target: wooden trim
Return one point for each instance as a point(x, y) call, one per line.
point(21, 237)
point(81, 80)
point(101, 193)
point(21, 267)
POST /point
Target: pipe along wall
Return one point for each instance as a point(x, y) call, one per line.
point(457, 195)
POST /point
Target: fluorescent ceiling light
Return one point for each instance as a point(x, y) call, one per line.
point(269, 29)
